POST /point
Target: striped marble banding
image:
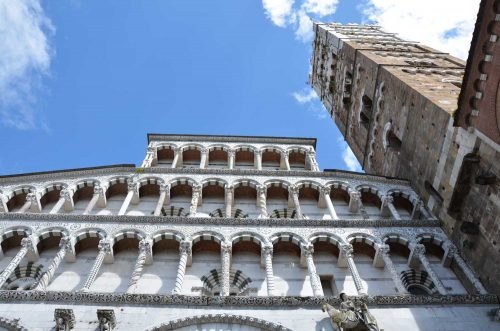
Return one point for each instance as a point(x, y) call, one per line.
point(218, 148)
point(277, 183)
point(191, 147)
point(308, 184)
point(340, 186)
point(167, 236)
point(174, 211)
point(430, 239)
point(419, 279)
point(246, 182)
point(128, 234)
point(296, 149)
point(244, 148)
point(24, 232)
point(118, 180)
point(235, 213)
point(86, 183)
point(236, 278)
point(30, 270)
point(90, 233)
point(209, 236)
point(368, 189)
point(327, 238)
point(286, 237)
point(182, 181)
point(362, 238)
point(214, 182)
point(20, 190)
point(165, 146)
point(247, 237)
point(396, 239)
point(150, 181)
point(283, 213)
point(53, 187)
point(51, 233)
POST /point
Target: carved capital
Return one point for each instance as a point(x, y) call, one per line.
point(257, 152)
point(355, 195)
point(32, 197)
point(98, 190)
point(185, 247)
point(267, 250)
point(285, 154)
point(307, 250)
point(325, 190)
point(388, 199)
point(151, 150)
point(231, 153)
point(229, 189)
point(65, 319)
point(107, 319)
point(164, 188)
point(226, 248)
point(197, 189)
point(293, 189)
point(347, 249)
point(417, 249)
point(384, 249)
point(262, 190)
point(65, 194)
point(204, 151)
point(132, 186)
point(144, 246)
point(28, 243)
point(105, 246)
point(65, 243)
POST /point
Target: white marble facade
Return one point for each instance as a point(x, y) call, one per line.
point(237, 221)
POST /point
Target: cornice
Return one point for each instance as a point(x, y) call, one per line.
point(272, 222)
point(231, 301)
point(233, 139)
point(63, 174)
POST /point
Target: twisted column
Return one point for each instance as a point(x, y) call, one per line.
point(184, 253)
point(177, 156)
point(267, 254)
point(285, 163)
point(195, 199)
point(294, 191)
point(262, 201)
point(26, 245)
point(226, 249)
point(384, 251)
point(307, 252)
point(311, 156)
point(231, 154)
point(453, 255)
point(229, 198)
point(348, 252)
point(132, 190)
point(203, 158)
point(65, 245)
point(418, 252)
point(325, 192)
point(144, 248)
point(104, 249)
point(164, 197)
point(258, 159)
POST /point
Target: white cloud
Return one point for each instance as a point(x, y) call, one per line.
point(278, 11)
point(305, 96)
point(446, 25)
point(25, 57)
point(349, 158)
point(298, 16)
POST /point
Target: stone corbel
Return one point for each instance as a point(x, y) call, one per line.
point(323, 191)
point(385, 210)
point(32, 254)
point(70, 251)
point(106, 245)
point(378, 260)
point(133, 186)
point(67, 195)
point(292, 189)
point(64, 318)
point(304, 251)
point(187, 246)
point(34, 200)
point(354, 201)
point(146, 245)
point(106, 319)
point(284, 162)
point(100, 191)
point(416, 250)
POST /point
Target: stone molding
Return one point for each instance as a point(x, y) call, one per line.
point(274, 301)
point(220, 318)
point(231, 139)
point(66, 174)
point(345, 223)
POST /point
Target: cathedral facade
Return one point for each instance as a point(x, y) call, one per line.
point(229, 233)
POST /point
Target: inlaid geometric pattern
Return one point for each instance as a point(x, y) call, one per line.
point(86, 183)
point(235, 213)
point(283, 213)
point(53, 187)
point(325, 238)
point(286, 237)
point(418, 279)
point(308, 184)
point(277, 183)
point(128, 234)
point(209, 236)
point(362, 238)
point(20, 190)
point(182, 181)
point(30, 270)
point(430, 239)
point(174, 211)
point(167, 236)
point(247, 237)
point(90, 233)
point(397, 239)
point(150, 180)
point(15, 232)
point(237, 279)
point(214, 182)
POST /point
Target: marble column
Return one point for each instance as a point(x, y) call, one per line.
point(144, 251)
point(133, 193)
point(225, 249)
point(383, 252)
point(231, 155)
point(164, 198)
point(307, 252)
point(258, 159)
point(66, 200)
point(229, 200)
point(354, 201)
point(285, 163)
point(387, 208)
point(418, 253)
point(325, 193)
point(417, 205)
point(32, 204)
point(262, 200)
point(267, 257)
point(3, 204)
point(294, 191)
point(348, 252)
point(451, 255)
point(98, 195)
point(311, 157)
point(26, 245)
point(204, 158)
point(65, 246)
point(184, 255)
point(105, 249)
point(177, 156)
point(195, 200)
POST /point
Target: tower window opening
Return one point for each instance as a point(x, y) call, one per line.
point(393, 141)
point(346, 97)
point(366, 111)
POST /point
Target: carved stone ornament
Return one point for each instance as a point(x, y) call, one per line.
point(350, 315)
point(65, 319)
point(107, 319)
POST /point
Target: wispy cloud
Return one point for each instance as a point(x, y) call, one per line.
point(305, 96)
point(25, 58)
point(348, 157)
point(298, 15)
point(310, 101)
point(446, 25)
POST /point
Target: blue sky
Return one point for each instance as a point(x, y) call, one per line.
point(83, 82)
